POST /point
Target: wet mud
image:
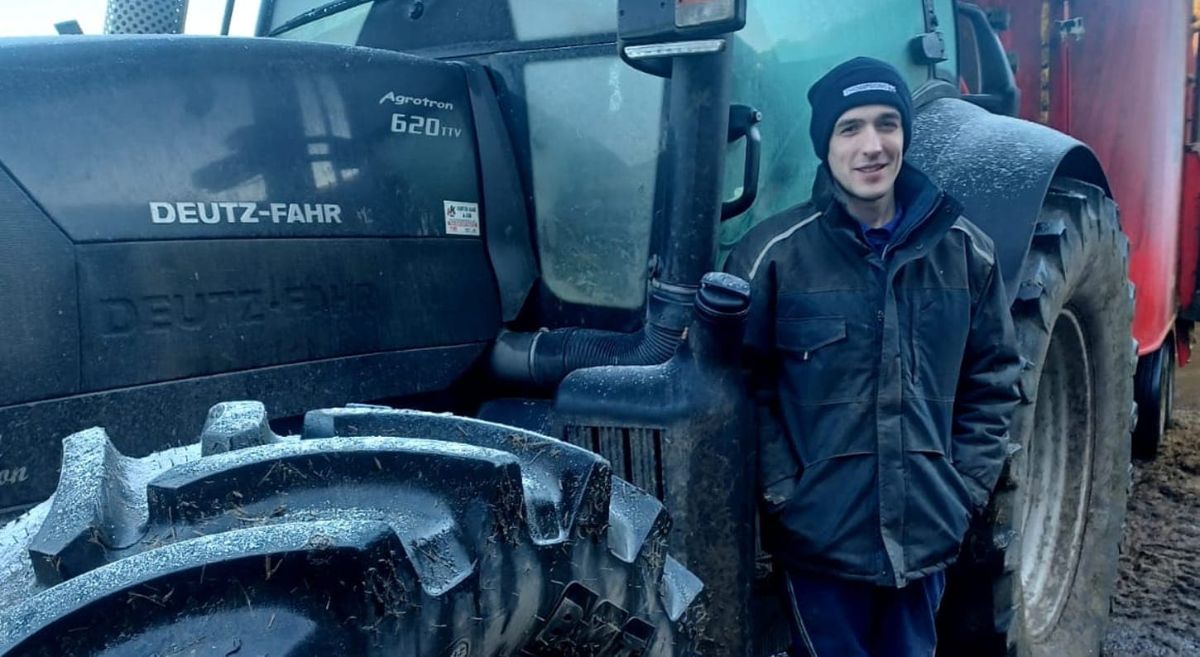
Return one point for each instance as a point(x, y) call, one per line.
point(1156, 610)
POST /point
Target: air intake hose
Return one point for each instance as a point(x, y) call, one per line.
point(545, 357)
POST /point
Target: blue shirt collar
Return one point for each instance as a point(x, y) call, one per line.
point(878, 238)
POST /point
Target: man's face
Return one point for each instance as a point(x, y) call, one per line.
point(866, 150)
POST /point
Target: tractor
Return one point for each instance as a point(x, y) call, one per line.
point(464, 255)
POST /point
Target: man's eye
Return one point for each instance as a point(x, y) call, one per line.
point(848, 130)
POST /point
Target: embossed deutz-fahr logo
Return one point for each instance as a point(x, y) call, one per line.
point(583, 624)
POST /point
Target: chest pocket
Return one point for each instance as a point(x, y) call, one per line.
point(806, 336)
point(820, 363)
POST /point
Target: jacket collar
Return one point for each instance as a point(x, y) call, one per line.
point(929, 212)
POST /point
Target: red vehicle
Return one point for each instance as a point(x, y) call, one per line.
point(1137, 57)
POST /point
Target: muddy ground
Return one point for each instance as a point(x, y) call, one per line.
point(1157, 608)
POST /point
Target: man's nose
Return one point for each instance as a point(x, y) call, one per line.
point(872, 144)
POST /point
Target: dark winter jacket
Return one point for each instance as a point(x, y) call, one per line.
point(887, 383)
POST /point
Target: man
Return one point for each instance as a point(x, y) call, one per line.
point(882, 351)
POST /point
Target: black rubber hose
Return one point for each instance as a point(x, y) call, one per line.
point(561, 352)
point(545, 357)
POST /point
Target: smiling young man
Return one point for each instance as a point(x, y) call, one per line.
point(882, 353)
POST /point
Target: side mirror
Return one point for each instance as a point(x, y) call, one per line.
point(983, 65)
point(643, 22)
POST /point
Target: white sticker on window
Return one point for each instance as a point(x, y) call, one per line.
point(461, 218)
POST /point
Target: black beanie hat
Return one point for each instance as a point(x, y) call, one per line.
point(860, 81)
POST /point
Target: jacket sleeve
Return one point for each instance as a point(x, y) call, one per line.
point(987, 391)
point(778, 467)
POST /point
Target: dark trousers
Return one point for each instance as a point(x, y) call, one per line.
point(839, 618)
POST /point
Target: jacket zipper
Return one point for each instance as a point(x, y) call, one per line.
point(887, 249)
point(933, 208)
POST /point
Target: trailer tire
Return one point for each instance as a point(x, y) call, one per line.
point(354, 538)
point(1154, 388)
point(1037, 570)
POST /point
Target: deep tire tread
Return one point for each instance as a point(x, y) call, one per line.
point(95, 509)
point(491, 530)
point(1078, 226)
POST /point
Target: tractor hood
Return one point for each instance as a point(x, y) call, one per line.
point(219, 218)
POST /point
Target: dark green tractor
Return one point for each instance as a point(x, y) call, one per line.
point(504, 215)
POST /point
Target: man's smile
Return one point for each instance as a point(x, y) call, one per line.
point(872, 168)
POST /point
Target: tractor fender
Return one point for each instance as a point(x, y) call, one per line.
point(999, 168)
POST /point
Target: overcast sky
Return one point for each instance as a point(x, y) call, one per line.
point(35, 17)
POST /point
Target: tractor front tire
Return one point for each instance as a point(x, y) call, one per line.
point(1037, 571)
point(376, 532)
